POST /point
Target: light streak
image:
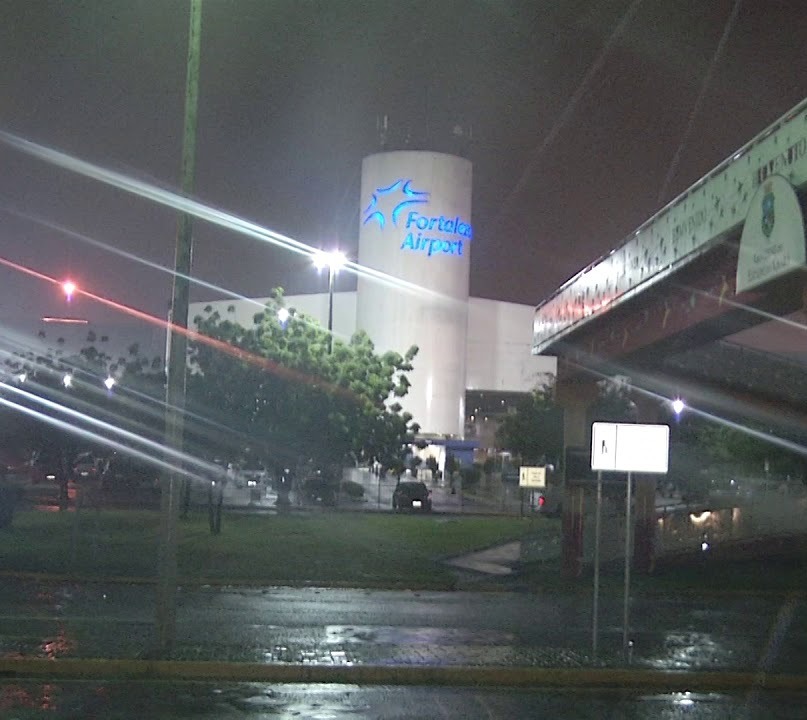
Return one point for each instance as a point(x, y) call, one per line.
point(186, 205)
point(65, 320)
point(192, 335)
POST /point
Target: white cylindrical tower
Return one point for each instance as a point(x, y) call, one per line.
point(415, 225)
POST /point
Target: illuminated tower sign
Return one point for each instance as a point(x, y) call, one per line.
point(391, 208)
point(415, 225)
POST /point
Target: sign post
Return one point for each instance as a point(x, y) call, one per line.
point(595, 612)
point(628, 553)
point(628, 448)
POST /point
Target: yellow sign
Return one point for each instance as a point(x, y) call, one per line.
point(532, 477)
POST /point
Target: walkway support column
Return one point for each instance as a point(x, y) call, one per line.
point(574, 395)
point(651, 409)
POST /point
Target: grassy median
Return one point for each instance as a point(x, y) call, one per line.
point(350, 549)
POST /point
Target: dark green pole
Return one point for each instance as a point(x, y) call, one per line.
point(177, 354)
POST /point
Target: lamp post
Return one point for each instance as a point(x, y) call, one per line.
point(176, 361)
point(334, 261)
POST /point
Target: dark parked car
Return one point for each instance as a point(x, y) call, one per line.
point(87, 467)
point(412, 495)
point(125, 473)
point(321, 486)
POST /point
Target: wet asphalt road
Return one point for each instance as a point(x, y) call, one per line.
point(164, 701)
point(332, 626)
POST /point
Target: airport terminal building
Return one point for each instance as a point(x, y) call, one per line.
point(416, 239)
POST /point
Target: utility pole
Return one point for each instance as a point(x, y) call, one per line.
point(331, 273)
point(177, 354)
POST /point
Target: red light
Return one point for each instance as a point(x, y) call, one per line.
point(541, 501)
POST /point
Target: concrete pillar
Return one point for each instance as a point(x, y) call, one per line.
point(650, 410)
point(644, 534)
point(571, 549)
point(574, 395)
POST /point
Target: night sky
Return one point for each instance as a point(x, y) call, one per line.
point(290, 95)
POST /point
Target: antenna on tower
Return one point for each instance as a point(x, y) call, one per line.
point(382, 126)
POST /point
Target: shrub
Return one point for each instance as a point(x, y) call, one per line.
point(470, 475)
point(353, 489)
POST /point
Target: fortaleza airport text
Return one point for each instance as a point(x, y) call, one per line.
point(435, 245)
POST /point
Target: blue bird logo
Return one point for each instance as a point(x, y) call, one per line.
point(401, 188)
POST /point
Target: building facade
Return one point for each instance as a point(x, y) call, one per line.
point(496, 355)
point(414, 254)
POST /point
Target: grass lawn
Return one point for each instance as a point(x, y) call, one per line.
point(351, 549)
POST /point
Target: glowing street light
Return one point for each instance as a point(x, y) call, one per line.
point(110, 382)
point(283, 315)
point(69, 288)
point(334, 261)
point(22, 377)
point(67, 380)
point(678, 406)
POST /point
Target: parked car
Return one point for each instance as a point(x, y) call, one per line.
point(253, 474)
point(320, 486)
point(48, 466)
point(412, 495)
point(87, 467)
point(124, 472)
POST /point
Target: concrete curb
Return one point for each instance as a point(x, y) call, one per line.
point(197, 583)
point(516, 585)
point(453, 676)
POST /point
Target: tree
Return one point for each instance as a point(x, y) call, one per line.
point(744, 451)
point(41, 432)
point(534, 430)
point(49, 430)
point(277, 384)
point(613, 403)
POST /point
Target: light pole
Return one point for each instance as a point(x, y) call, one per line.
point(177, 355)
point(334, 261)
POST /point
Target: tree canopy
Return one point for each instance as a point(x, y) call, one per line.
point(277, 383)
point(534, 431)
point(272, 391)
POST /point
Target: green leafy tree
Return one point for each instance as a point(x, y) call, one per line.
point(278, 384)
point(534, 430)
point(744, 451)
point(613, 402)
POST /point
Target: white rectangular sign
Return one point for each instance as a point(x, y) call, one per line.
point(630, 447)
point(532, 477)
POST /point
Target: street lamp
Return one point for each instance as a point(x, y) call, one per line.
point(334, 261)
point(678, 406)
point(110, 382)
point(69, 287)
point(283, 316)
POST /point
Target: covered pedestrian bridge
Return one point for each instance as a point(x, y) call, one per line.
point(704, 301)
